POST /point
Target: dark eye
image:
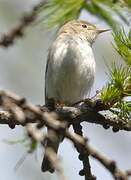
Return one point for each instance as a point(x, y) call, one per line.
point(84, 25)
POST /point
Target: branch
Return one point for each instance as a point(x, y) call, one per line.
point(87, 112)
point(107, 163)
point(26, 20)
point(86, 171)
point(17, 111)
point(82, 143)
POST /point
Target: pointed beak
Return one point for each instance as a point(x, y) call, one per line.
point(101, 31)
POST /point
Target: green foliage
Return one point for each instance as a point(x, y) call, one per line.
point(28, 142)
point(106, 9)
point(101, 10)
point(32, 145)
point(119, 85)
point(110, 93)
point(123, 44)
point(123, 109)
point(19, 141)
point(58, 12)
point(119, 88)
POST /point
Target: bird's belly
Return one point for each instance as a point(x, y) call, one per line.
point(72, 82)
point(72, 74)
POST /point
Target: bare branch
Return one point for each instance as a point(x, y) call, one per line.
point(55, 162)
point(18, 31)
point(86, 171)
point(107, 163)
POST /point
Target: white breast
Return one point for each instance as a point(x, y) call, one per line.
point(70, 71)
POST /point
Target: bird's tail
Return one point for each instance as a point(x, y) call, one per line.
point(54, 145)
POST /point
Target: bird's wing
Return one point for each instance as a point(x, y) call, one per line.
point(47, 64)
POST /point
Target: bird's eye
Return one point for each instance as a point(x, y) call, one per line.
point(84, 25)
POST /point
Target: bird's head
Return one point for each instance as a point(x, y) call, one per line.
point(85, 29)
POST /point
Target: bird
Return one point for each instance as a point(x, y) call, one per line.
point(70, 69)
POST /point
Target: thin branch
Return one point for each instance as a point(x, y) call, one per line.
point(39, 137)
point(18, 31)
point(55, 162)
point(86, 171)
point(107, 163)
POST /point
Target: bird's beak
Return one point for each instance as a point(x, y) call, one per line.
point(101, 31)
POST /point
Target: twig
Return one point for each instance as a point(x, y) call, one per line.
point(108, 164)
point(27, 19)
point(55, 162)
point(39, 137)
point(86, 171)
